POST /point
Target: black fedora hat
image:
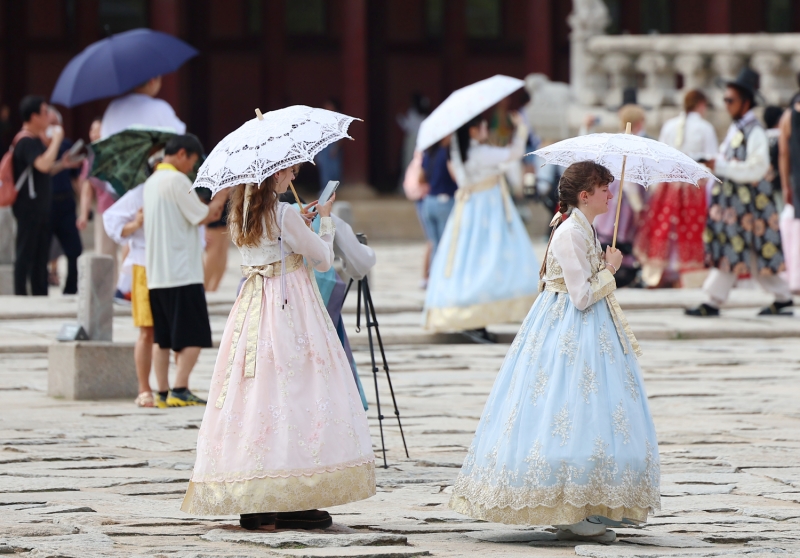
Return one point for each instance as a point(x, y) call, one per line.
point(747, 81)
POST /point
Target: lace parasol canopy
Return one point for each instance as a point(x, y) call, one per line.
point(261, 147)
point(648, 161)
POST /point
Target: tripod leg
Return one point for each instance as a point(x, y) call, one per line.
point(362, 285)
point(372, 321)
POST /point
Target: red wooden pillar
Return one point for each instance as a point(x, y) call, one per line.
point(455, 43)
point(355, 91)
point(718, 16)
point(272, 55)
point(165, 16)
point(539, 38)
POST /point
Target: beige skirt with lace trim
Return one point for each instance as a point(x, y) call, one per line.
point(281, 494)
point(564, 514)
point(460, 318)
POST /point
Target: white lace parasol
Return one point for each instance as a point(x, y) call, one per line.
point(261, 147)
point(648, 161)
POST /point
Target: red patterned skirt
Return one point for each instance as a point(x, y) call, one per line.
point(676, 216)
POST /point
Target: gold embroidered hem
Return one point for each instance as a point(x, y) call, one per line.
point(460, 318)
point(281, 494)
point(562, 514)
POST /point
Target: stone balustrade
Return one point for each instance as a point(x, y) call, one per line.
point(664, 67)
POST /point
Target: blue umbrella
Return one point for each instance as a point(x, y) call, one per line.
point(118, 64)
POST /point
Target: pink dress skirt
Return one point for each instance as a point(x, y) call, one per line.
point(284, 429)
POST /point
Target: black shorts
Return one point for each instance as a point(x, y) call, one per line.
point(180, 317)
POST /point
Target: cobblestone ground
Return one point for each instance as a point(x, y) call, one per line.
point(81, 479)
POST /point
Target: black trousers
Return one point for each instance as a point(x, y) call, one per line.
point(33, 247)
point(64, 229)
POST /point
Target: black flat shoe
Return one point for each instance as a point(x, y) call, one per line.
point(306, 520)
point(253, 521)
point(250, 521)
point(480, 336)
point(702, 311)
point(775, 309)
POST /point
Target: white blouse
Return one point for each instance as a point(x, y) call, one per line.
point(486, 161)
point(357, 259)
point(697, 138)
point(576, 258)
point(297, 239)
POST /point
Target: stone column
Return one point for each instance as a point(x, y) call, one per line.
point(96, 284)
point(726, 66)
point(659, 79)
point(692, 68)
point(772, 76)
point(617, 65)
point(588, 19)
point(7, 240)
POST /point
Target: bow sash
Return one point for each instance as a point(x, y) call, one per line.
point(250, 302)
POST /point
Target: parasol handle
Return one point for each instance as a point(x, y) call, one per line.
point(619, 194)
point(259, 115)
point(297, 198)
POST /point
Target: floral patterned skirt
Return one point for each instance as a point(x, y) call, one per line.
point(566, 432)
point(284, 429)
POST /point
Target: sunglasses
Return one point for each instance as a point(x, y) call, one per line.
point(729, 100)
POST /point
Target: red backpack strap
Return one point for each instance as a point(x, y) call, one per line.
point(21, 134)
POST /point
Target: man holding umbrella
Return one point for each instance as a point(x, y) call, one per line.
point(140, 107)
point(742, 231)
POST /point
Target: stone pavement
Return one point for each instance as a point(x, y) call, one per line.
point(106, 479)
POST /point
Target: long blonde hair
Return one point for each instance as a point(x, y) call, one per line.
point(261, 213)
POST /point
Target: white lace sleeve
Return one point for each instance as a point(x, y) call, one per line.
point(317, 249)
point(570, 250)
point(358, 258)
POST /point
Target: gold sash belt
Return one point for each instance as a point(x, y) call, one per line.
point(250, 307)
point(620, 321)
point(462, 196)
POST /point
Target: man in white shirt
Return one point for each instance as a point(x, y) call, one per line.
point(174, 263)
point(742, 231)
point(141, 108)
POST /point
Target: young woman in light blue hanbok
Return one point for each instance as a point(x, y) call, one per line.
point(566, 437)
point(484, 270)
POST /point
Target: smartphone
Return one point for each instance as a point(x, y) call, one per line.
point(75, 149)
point(326, 194)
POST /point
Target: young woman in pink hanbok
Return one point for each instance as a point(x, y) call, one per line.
point(284, 432)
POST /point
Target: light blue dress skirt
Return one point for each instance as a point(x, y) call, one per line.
point(494, 274)
point(566, 432)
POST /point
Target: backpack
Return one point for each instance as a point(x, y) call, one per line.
point(8, 187)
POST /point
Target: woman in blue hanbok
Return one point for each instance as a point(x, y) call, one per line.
point(566, 437)
point(484, 270)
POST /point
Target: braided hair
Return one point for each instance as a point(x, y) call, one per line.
point(579, 177)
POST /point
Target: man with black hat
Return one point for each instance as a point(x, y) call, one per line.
point(742, 230)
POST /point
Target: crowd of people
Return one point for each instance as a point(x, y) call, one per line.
point(672, 234)
point(566, 437)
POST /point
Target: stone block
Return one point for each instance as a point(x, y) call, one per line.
point(7, 236)
point(96, 283)
point(6, 279)
point(91, 370)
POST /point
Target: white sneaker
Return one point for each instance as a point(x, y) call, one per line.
point(589, 527)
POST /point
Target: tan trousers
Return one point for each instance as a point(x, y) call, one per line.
point(718, 285)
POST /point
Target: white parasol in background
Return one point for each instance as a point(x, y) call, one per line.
point(629, 157)
point(270, 142)
point(462, 106)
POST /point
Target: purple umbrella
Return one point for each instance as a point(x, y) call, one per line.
point(118, 64)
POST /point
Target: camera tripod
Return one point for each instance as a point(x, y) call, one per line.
point(372, 323)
